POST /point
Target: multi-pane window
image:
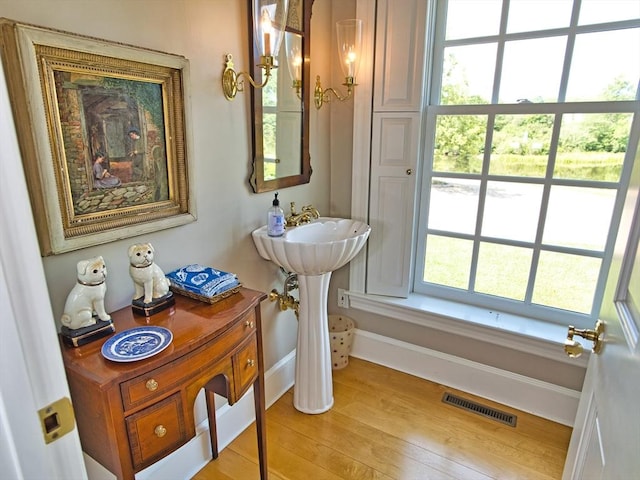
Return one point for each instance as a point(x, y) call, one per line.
point(532, 128)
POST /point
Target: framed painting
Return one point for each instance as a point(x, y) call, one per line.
point(102, 128)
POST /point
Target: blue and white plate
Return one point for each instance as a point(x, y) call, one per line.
point(136, 344)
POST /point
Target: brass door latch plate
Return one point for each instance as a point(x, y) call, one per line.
point(57, 419)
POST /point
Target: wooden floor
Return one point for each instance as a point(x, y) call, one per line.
point(390, 425)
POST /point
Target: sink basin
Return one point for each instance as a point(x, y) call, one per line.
point(313, 251)
point(314, 248)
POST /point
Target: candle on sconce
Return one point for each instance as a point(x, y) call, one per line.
point(351, 60)
point(267, 44)
point(266, 29)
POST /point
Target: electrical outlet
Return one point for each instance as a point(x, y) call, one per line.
point(343, 299)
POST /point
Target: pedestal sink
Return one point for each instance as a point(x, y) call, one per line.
point(313, 251)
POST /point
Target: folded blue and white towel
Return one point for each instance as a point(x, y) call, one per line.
point(202, 280)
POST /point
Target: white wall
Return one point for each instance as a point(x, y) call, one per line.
point(228, 210)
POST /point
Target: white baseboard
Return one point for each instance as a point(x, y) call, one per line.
point(543, 399)
point(539, 398)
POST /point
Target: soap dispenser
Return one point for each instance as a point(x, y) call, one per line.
point(275, 219)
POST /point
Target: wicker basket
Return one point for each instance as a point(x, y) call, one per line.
point(202, 298)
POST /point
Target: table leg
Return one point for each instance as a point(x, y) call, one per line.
point(261, 427)
point(211, 413)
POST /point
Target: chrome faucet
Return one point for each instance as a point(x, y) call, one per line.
point(307, 215)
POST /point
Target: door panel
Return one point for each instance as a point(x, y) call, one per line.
point(606, 437)
point(31, 374)
point(393, 181)
point(400, 50)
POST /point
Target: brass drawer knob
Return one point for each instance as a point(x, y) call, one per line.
point(160, 431)
point(251, 362)
point(249, 323)
point(151, 385)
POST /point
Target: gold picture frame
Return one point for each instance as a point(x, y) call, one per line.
point(102, 133)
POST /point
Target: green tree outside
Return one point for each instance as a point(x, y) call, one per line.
point(460, 139)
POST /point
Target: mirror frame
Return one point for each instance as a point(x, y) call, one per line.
point(256, 180)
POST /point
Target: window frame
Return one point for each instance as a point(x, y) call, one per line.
point(436, 44)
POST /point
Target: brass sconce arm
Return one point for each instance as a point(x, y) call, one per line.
point(297, 86)
point(268, 18)
point(231, 80)
point(321, 96)
point(349, 35)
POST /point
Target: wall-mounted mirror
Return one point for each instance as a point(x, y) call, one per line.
point(281, 109)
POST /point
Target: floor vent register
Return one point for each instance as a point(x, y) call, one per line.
point(485, 411)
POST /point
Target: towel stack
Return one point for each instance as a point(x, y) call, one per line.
point(201, 280)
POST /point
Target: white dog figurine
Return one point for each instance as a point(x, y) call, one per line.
point(87, 296)
point(148, 278)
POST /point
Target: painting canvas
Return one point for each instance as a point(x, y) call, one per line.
point(105, 143)
point(114, 143)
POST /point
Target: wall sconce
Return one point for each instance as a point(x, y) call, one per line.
point(349, 34)
point(269, 22)
point(293, 49)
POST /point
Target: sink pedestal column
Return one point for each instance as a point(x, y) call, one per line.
point(313, 390)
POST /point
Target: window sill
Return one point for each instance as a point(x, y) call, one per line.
point(533, 336)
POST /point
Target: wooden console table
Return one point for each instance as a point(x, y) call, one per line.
point(132, 414)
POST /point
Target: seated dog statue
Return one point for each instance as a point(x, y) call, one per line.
point(86, 299)
point(148, 278)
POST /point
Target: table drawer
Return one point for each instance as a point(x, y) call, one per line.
point(245, 366)
point(145, 387)
point(156, 431)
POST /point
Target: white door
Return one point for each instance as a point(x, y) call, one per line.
point(606, 438)
point(31, 369)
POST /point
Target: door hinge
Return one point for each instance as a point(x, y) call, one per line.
point(57, 419)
